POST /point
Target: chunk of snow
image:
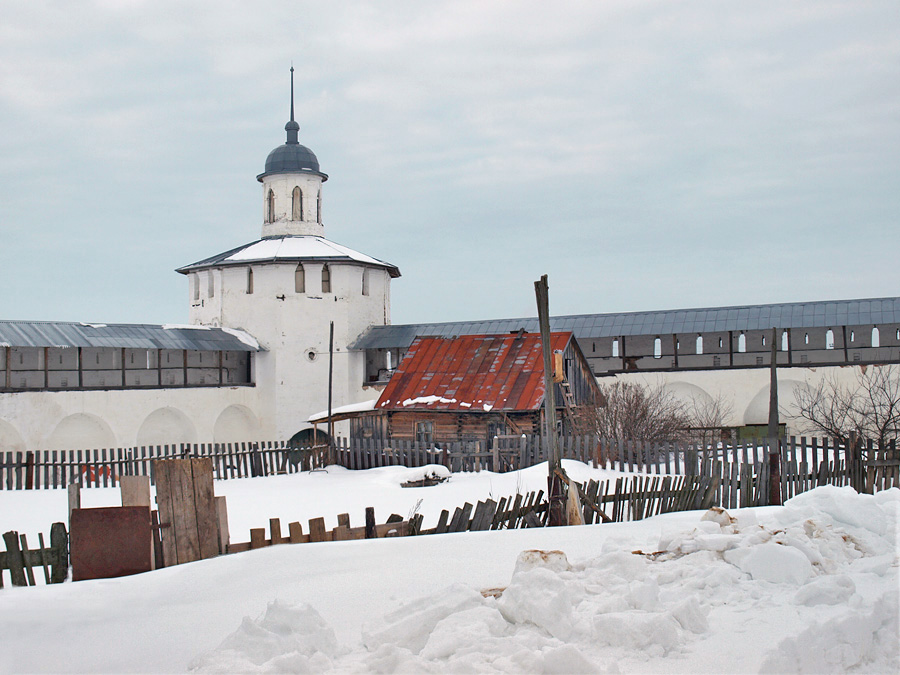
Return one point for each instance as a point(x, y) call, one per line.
point(184, 326)
point(772, 562)
point(427, 400)
point(243, 336)
point(362, 406)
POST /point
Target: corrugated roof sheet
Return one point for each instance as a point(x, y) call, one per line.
point(824, 314)
point(471, 373)
point(130, 336)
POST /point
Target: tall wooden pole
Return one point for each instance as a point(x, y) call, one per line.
point(330, 380)
point(774, 432)
point(555, 485)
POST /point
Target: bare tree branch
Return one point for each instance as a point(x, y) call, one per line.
point(868, 407)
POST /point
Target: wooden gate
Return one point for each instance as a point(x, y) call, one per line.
point(189, 527)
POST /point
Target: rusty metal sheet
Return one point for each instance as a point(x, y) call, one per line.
point(504, 372)
point(110, 542)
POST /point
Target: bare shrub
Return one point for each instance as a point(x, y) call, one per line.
point(640, 413)
point(868, 407)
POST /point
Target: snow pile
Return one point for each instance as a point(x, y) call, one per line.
point(427, 400)
point(813, 585)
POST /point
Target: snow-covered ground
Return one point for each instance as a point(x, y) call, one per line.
point(808, 587)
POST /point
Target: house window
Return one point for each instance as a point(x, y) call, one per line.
point(249, 280)
point(425, 432)
point(742, 343)
point(270, 207)
point(876, 338)
point(297, 204)
point(784, 341)
point(326, 279)
point(829, 339)
point(699, 344)
point(657, 348)
point(365, 281)
point(211, 285)
point(195, 282)
point(299, 280)
point(615, 349)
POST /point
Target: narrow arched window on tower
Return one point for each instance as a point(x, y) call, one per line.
point(249, 280)
point(829, 339)
point(297, 207)
point(785, 342)
point(319, 207)
point(326, 279)
point(876, 337)
point(270, 207)
point(365, 281)
point(742, 343)
point(195, 282)
point(657, 348)
point(211, 285)
point(698, 347)
point(299, 279)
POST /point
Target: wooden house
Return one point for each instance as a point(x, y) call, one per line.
point(474, 387)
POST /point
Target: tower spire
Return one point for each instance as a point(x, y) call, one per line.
point(292, 128)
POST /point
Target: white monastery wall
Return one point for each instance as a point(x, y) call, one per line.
point(744, 391)
point(55, 420)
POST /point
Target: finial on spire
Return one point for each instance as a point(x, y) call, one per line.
point(292, 92)
point(292, 128)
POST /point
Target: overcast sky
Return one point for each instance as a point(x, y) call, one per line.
point(645, 155)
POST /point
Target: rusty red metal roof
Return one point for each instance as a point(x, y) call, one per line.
point(471, 373)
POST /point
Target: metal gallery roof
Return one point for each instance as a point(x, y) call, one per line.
point(128, 335)
point(471, 373)
point(289, 248)
point(824, 314)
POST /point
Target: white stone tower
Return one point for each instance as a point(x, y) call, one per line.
point(286, 288)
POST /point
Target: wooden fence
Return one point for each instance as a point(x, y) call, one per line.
point(48, 469)
point(21, 560)
point(742, 470)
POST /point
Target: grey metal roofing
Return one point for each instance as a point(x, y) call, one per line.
point(128, 335)
point(824, 314)
point(291, 158)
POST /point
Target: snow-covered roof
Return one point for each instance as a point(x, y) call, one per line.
point(290, 248)
point(343, 410)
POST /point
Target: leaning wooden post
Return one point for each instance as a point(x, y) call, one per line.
point(370, 523)
point(74, 491)
point(557, 515)
point(14, 559)
point(773, 431)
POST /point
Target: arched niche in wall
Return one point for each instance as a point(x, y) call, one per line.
point(689, 393)
point(166, 426)
point(81, 431)
point(757, 411)
point(308, 437)
point(235, 424)
point(10, 438)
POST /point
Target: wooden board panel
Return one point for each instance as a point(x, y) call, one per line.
point(135, 490)
point(187, 541)
point(205, 506)
point(110, 542)
point(164, 500)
